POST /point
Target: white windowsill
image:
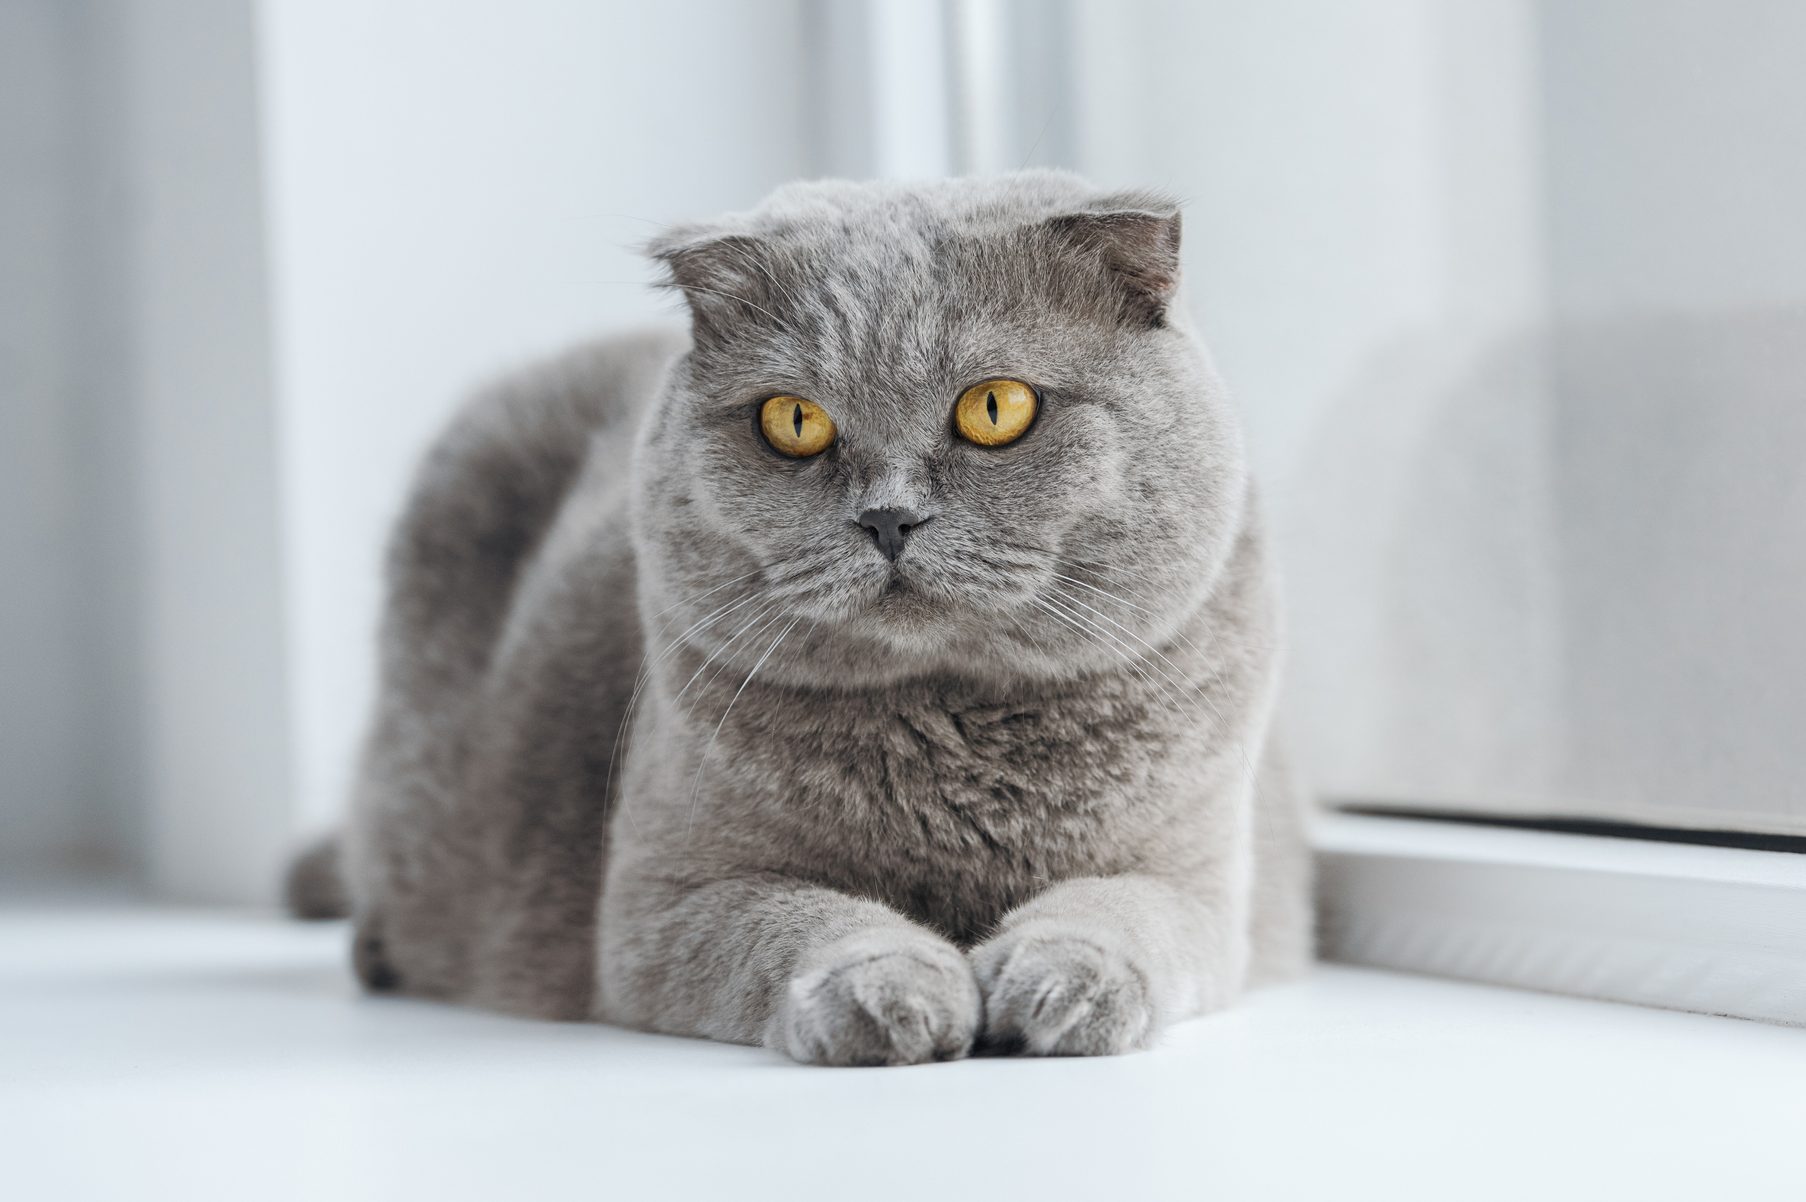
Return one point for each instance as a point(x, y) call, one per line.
point(196, 1055)
point(1710, 929)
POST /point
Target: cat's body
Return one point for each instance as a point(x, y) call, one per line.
point(868, 806)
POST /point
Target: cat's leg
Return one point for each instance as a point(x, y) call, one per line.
point(370, 957)
point(1099, 965)
point(820, 975)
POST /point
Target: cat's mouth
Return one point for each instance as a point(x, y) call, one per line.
point(902, 599)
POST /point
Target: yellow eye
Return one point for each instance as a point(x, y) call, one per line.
point(796, 427)
point(995, 412)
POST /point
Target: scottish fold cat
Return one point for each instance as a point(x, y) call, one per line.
point(879, 670)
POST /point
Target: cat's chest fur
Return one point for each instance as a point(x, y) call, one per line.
point(947, 803)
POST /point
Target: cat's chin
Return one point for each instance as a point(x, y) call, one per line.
point(903, 613)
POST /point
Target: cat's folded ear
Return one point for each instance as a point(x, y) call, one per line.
point(722, 274)
point(1132, 241)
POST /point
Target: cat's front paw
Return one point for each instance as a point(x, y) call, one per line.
point(1051, 992)
point(881, 1000)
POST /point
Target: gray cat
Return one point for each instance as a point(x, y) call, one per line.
point(881, 671)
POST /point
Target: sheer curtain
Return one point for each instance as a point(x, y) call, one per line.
point(1514, 296)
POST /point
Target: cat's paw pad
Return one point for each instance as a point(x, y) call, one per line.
point(1059, 994)
point(881, 1005)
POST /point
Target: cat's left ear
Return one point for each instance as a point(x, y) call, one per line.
point(1134, 241)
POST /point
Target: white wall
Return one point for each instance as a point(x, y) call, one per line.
point(48, 812)
point(141, 704)
point(250, 257)
point(454, 188)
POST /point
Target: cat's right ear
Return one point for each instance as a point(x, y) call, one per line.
point(723, 277)
point(1131, 240)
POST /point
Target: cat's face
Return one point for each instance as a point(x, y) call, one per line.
point(935, 429)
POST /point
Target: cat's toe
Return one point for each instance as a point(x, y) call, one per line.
point(864, 1006)
point(1055, 994)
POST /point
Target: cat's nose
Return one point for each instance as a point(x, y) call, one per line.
point(889, 527)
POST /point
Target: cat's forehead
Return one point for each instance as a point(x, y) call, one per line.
point(889, 325)
point(886, 239)
point(928, 279)
point(864, 287)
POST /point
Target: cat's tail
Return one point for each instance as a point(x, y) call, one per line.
point(315, 886)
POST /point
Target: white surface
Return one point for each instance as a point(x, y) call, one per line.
point(195, 1056)
point(1710, 929)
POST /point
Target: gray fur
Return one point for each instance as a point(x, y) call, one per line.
point(1009, 801)
point(315, 887)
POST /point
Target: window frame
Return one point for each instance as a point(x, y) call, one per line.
point(1713, 930)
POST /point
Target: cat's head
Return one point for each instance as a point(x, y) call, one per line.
point(950, 427)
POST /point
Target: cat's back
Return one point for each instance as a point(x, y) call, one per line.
point(458, 864)
point(491, 487)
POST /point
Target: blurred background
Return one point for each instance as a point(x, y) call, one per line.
point(1512, 294)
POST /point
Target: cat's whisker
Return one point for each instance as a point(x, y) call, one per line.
point(764, 610)
point(1120, 600)
point(759, 613)
point(728, 295)
point(809, 569)
point(1197, 689)
point(1131, 659)
point(696, 785)
point(1177, 635)
point(648, 663)
point(762, 271)
point(1025, 632)
point(763, 621)
point(1098, 563)
point(1090, 633)
point(1171, 687)
point(1176, 674)
point(1019, 557)
point(699, 596)
point(1208, 650)
point(1126, 660)
point(683, 638)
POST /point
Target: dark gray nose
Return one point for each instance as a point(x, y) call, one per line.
point(889, 527)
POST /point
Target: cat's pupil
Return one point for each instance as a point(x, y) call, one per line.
point(796, 419)
point(991, 406)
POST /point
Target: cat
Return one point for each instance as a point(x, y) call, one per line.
point(879, 670)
